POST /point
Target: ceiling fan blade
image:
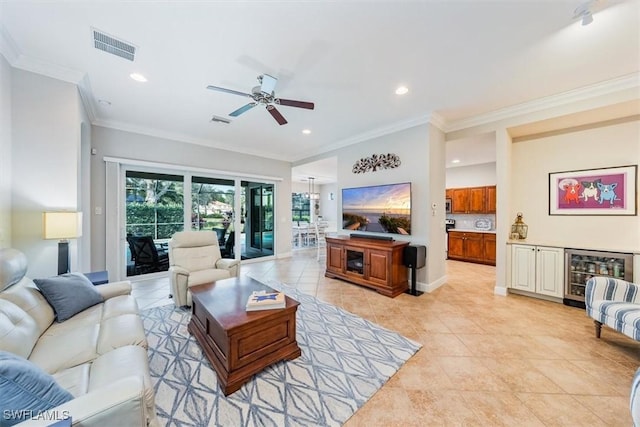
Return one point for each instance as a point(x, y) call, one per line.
point(243, 109)
point(268, 84)
point(231, 91)
point(292, 103)
point(276, 115)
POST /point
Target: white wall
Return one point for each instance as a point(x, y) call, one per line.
point(422, 154)
point(45, 155)
point(128, 145)
point(615, 145)
point(329, 207)
point(471, 176)
point(5, 153)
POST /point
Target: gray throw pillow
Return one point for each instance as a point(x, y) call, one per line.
point(68, 294)
point(27, 391)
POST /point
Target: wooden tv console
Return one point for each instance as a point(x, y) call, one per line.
point(374, 263)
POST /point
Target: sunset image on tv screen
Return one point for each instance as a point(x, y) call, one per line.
point(380, 208)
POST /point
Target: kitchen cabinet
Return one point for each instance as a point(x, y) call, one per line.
point(473, 247)
point(472, 200)
point(537, 269)
point(490, 199)
point(448, 193)
point(377, 264)
point(489, 246)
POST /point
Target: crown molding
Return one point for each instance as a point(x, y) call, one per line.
point(438, 121)
point(48, 69)
point(431, 118)
point(625, 82)
point(8, 47)
point(126, 127)
point(17, 59)
point(86, 95)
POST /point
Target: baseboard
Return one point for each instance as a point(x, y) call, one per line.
point(284, 255)
point(430, 287)
point(534, 295)
point(499, 290)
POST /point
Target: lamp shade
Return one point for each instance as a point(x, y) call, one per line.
point(62, 225)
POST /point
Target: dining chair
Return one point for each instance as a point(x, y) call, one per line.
point(321, 242)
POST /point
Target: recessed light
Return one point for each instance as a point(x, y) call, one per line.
point(306, 131)
point(104, 102)
point(402, 90)
point(455, 161)
point(138, 77)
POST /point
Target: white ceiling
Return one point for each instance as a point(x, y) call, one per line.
point(459, 59)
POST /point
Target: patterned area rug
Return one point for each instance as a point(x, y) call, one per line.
point(345, 360)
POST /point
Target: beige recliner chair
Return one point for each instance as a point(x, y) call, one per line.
point(194, 259)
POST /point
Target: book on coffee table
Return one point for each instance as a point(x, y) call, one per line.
point(263, 300)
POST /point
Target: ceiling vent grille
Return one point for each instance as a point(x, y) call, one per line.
point(113, 46)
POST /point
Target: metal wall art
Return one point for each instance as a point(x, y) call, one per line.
point(375, 162)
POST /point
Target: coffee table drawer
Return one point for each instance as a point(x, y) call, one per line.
point(264, 338)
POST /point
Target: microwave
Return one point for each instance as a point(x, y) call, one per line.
point(447, 205)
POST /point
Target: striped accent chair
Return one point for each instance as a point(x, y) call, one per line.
point(634, 401)
point(615, 303)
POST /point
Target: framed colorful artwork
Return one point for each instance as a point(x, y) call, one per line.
point(608, 191)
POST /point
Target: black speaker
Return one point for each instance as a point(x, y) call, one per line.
point(415, 256)
point(370, 236)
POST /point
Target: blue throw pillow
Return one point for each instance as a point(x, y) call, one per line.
point(68, 294)
point(27, 391)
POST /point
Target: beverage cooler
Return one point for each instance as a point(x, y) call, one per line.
point(581, 265)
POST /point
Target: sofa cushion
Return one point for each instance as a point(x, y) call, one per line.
point(26, 390)
point(18, 331)
point(131, 360)
point(68, 294)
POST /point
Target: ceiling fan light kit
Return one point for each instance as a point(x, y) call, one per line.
point(585, 12)
point(264, 95)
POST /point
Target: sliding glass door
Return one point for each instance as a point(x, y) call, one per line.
point(159, 204)
point(259, 223)
point(212, 208)
point(154, 210)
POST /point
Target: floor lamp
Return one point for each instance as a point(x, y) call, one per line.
point(62, 226)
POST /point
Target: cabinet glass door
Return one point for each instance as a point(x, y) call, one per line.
point(583, 265)
point(355, 261)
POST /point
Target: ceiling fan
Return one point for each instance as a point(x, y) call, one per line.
point(264, 95)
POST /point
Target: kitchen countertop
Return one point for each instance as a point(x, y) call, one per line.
point(634, 251)
point(472, 230)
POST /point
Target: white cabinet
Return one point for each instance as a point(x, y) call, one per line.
point(538, 269)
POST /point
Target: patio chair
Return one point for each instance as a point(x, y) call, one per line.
point(227, 250)
point(145, 255)
point(220, 232)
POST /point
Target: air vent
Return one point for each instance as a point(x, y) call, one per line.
point(113, 46)
point(217, 119)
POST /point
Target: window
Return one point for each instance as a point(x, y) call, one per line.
point(154, 204)
point(211, 203)
point(300, 207)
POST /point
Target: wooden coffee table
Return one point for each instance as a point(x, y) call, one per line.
point(238, 343)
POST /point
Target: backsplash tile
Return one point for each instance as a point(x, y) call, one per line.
point(468, 221)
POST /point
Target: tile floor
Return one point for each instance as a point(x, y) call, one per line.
point(485, 360)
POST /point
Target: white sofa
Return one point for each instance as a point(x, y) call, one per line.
point(194, 259)
point(99, 355)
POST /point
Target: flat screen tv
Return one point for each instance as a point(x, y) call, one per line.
point(378, 208)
